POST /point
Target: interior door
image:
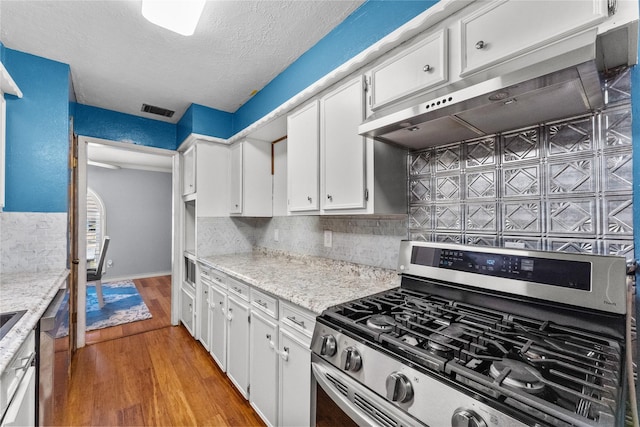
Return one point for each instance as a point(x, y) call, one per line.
point(72, 232)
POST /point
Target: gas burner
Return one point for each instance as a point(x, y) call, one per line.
point(518, 375)
point(438, 340)
point(381, 322)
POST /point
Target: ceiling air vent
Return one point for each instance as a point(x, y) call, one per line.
point(157, 110)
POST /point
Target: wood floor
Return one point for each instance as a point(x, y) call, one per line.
point(150, 374)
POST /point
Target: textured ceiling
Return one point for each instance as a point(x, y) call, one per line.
point(120, 61)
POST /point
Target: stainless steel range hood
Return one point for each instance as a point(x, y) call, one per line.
point(469, 109)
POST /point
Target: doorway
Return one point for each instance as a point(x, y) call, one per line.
point(131, 166)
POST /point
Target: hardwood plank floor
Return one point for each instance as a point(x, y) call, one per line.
point(149, 373)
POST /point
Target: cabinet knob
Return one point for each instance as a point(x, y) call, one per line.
point(309, 199)
point(330, 197)
point(426, 68)
point(480, 45)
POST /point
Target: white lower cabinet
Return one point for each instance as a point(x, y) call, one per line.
point(187, 309)
point(204, 333)
point(264, 367)
point(295, 380)
point(218, 325)
point(238, 343)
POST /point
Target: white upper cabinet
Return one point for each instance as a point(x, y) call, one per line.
point(417, 68)
point(303, 159)
point(343, 150)
point(189, 171)
point(327, 158)
point(506, 29)
point(235, 178)
point(250, 179)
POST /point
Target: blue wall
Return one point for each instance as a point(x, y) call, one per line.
point(37, 139)
point(204, 121)
point(368, 24)
point(106, 124)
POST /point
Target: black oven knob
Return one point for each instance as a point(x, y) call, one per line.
point(465, 418)
point(329, 346)
point(399, 388)
point(351, 359)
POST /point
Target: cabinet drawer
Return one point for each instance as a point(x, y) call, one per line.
point(504, 30)
point(297, 318)
point(16, 370)
point(238, 288)
point(264, 302)
point(419, 67)
point(213, 276)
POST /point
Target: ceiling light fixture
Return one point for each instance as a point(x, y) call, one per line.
point(178, 16)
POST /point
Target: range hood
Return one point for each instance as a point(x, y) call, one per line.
point(555, 88)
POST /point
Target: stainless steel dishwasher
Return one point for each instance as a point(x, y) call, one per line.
point(53, 355)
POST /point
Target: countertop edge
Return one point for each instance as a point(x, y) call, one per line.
point(315, 308)
point(11, 342)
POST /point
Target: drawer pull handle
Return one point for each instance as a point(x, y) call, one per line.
point(480, 45)
point(296, 321)
point(261, 303)
point(237, 289)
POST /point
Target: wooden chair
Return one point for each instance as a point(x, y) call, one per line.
point(95, 275)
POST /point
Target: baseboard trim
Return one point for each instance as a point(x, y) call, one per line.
point(135, 276)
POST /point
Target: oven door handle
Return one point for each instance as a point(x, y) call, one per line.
point(320, 371)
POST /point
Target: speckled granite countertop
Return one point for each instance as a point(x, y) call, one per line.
point(310, 282)
point(26, 291)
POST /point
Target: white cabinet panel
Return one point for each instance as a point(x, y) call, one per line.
point(295, 381)
point(343, 150)
point(251, 182)
point(238, 343)
point(235, 179)
point(187, 308)
point(264, 367)
point(189, 171)
point(416, 68)
point(218, 319)
point(506, 29)
point(303, 159)
point(204, 332)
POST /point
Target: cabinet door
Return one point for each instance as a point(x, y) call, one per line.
point(218, 319)
point(22, 409)
point(506, 29)
point(418, 67)
point(295, 381)
point(203, 314)
point(303, 159)
point(264, 367)
point(235, 179)
point(238, 344)
point(343, 149)
point(189, 171)
point(187, 309)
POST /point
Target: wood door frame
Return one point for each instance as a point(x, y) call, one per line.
point(83, 142)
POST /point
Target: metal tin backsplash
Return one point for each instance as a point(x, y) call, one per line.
point(563, 186)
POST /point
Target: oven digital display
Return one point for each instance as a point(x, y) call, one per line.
point(555, 272)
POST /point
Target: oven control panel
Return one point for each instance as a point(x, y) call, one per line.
point(547, 271)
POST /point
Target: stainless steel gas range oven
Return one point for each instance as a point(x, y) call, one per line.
point(481, 337)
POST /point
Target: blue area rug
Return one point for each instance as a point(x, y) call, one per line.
point(122, 304)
